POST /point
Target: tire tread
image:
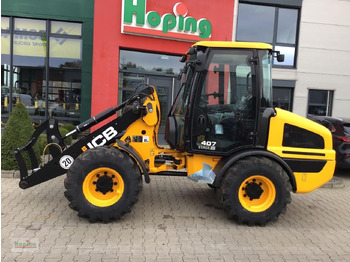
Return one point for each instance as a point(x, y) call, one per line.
point(226, 197)
point(73, 185)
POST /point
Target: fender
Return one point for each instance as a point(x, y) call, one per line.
point(226, 162)
point(133, 153)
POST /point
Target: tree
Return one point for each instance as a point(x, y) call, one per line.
point(18, 130)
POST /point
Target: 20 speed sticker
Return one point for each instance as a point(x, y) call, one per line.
point(66, 161)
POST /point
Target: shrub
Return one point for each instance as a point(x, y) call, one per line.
point(18, 131)
point(63, 132)
point(70, 127)
point(42, 142)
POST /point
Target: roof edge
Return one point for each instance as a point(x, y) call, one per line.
point(228, 44)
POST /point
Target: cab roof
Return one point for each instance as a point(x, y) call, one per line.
point(226, 44)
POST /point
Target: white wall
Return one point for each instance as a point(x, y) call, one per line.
point(323, 55)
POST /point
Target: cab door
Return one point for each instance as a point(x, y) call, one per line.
point(224, 110)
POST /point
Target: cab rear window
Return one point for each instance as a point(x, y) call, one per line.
point(294, 136)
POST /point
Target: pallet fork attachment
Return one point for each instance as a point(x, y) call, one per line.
point(53, 137)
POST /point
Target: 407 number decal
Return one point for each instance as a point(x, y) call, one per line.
point(207, 145)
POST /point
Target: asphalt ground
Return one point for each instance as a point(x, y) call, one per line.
point(174, 220)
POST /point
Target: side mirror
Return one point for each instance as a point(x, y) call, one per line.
point(280, 58)
point(183, 58)
point(200, 61)
point(278, 55)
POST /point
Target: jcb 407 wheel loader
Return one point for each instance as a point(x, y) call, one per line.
point(221, 130)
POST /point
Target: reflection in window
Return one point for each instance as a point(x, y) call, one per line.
point(5, 88)
point(5, 65)
point(65, 52)
point(251, 20)
point(65, 28)
point(320, 102)
point(30, 25)
point(29, 50)
point(159, 70)
point(64, 92)
point(287, 25)
point(282, 98)
point(127, 84)
point(279, 28)
point(5, 23)
point(31, 63)
point(147, 62)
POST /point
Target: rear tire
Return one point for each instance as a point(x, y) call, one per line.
point(255, 191)
point(103, 184)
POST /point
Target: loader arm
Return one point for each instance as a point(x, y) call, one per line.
point(62, 160)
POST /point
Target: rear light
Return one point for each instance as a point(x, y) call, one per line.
point(344, 138)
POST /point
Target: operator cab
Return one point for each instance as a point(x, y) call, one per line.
point(225, 88)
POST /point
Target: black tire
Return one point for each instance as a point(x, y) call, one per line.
point(255, 191)
point(107, 175)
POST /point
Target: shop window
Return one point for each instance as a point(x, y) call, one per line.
point(64, 93)
point(140, 67)
point(45, 57)
point(283, 91)
point(5, 64)
point(65, 28)
point(320, 102)
point(270, 24)
point(159, 70)
point(5, 23)
point(134, 61)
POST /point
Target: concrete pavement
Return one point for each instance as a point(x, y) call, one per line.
point(175, 220)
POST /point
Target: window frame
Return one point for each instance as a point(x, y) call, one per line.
point(278, 4)
point(330, 100)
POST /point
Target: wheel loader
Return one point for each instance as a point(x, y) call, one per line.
point(222, 130)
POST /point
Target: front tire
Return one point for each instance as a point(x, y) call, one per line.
point(255, 191)
point(103, 184)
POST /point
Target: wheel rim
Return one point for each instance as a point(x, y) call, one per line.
point(103, 187)
point(257, 193)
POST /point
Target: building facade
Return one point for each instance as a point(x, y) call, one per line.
point(139, 41)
